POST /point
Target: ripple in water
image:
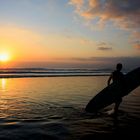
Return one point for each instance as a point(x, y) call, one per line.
point(53, 108)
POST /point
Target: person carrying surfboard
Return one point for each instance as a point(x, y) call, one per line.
point(117, 76)
point(122, 86)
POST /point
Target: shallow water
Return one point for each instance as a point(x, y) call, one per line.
point(53, 108)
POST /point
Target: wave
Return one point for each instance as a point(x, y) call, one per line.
point(46, 72)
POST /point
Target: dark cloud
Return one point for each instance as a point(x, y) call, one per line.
point(107, 62)
point(103, 46)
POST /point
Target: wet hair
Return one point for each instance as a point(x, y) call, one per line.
point(119, 66)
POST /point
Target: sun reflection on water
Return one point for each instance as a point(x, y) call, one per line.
point(3, 84)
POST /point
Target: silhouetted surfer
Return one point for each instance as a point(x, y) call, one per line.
point(117, 76)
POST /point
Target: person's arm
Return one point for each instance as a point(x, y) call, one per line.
point(109, 80)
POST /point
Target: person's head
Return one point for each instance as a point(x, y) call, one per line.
point(119, 66)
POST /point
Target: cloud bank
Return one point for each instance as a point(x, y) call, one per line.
point(108, 62)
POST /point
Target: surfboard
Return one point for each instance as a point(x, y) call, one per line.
point(109, 94)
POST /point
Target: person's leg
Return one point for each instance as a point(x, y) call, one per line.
point(117, 104)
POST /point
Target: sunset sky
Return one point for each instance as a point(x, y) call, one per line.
point(69, 33)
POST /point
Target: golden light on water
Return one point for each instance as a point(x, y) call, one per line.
point(3, 83)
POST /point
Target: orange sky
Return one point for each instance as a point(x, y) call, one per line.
point(69, 31)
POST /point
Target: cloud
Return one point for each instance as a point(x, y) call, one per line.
point(135, 37)
point(103, 46)
point(77, 3)
point(87, 42)
point(123, 13)
point(107, 62)
point(137, 45)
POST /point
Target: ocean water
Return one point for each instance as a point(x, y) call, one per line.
point(52, 108)
point(43, 72)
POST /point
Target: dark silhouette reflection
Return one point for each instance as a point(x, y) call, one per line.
point(117, 76)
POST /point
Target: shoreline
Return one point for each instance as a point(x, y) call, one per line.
point(35, 76)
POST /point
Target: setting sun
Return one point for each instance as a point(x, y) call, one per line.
point(4, 57)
